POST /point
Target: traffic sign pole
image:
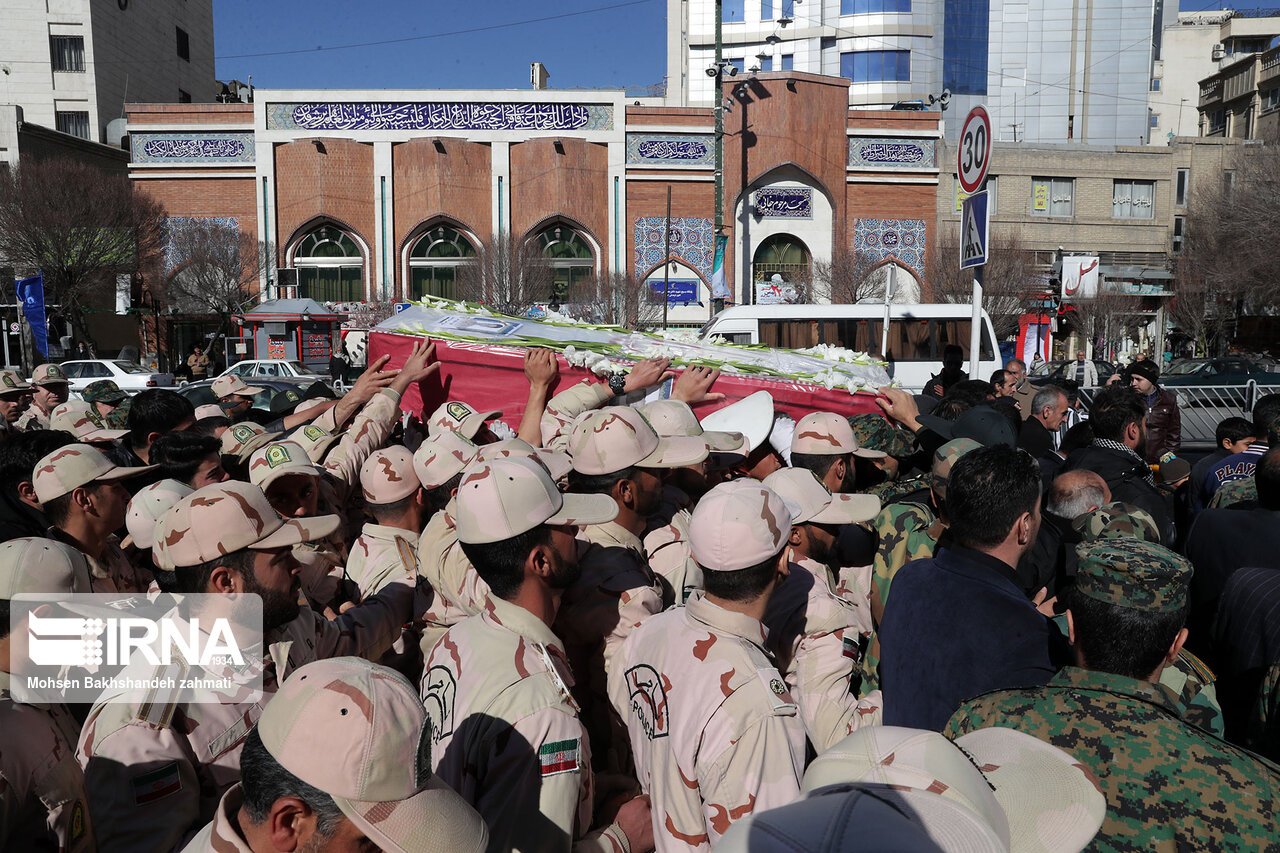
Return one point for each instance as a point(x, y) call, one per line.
point(973, 158)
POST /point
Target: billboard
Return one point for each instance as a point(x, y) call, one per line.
point(1079, 278)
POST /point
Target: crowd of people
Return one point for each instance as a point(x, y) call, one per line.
point(664, 625)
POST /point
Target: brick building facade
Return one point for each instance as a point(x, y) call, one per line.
point(382, 195)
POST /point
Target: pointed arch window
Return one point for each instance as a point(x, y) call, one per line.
point(435, 259)
point(330, 266)
point(571, 258)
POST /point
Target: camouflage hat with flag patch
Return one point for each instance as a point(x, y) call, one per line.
point(739, 524)
point(992, 789)
point(12, 384)
point(442, 457)
point(458, 417)
point(316, 440)
point(280, 459)
point(1117, 520)
point(615, 438)
point(68, 468)
point(945, 458)
point(225, 517)
point(373, 721)
point(387, 475)
point(675, 417)
point(149, 506)
point(103, 391)
point(1133, 573)
point(875, 432)
point(49, 374)
point(240, 440)
point(828, 434)
point(80, 420)
point(510, 495)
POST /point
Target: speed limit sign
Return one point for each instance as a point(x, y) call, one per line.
point(974, 154)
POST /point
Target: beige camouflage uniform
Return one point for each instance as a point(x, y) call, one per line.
point(113, 571)
point(714, 730)
point(43, 801)
point(155, 771)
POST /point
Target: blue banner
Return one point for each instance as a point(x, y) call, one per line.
point(31, 295)
point(682, 291)
point(719, 286)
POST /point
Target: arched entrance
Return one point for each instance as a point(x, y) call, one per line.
point(434, 260)
point(781, 269)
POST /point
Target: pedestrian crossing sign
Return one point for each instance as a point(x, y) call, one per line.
point(975, 224)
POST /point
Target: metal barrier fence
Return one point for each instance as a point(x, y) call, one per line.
point(1203, 407)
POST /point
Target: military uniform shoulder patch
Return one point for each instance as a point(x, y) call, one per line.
point(156, 784)
point(559, 756)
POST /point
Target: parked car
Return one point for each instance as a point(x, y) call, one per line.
point(276, 368)
point(130, 376)
point(1057, 369)
point(1217, 371)
point(302, 388)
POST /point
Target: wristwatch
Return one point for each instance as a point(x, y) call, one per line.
point(618, 383)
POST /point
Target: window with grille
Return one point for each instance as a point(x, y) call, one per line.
point(67, 53)
point(330, 266)
point(75, 123)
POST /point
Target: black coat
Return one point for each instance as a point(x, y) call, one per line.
point(1220, 542)
point(1126, 478)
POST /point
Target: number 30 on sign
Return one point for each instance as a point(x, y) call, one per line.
point(974, 154)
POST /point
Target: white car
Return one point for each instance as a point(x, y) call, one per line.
point(130, 376)
point(276, 368)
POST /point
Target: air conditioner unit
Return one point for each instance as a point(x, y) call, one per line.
point(1219, 52)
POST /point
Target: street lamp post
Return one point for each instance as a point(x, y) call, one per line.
point(719, 142)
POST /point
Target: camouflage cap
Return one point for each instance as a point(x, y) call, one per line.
point(752, 417)
point(280, 459)
point(12, 383)
point(226, 386)
point(387, 475)
point(507, 496)
point(316, 440)
point(675, 417)
point(68, 468)
point(103, 391)
point(828, 434)
point(615, 438)
point(225, 517)
point(376, 761)
point(149, 506)
point(558, 464)
point(1133, 573)
point(995, 785)
point(737, 525)
point(41, 566)
point(944, 458)
point(803, 491)
point(80, 420)
point(240, 440)
point(118, 418)
point(1117, 520)
point(442, 457)
point(876, 432)
point(209, 410)
point(459, 417)
point(49, 374)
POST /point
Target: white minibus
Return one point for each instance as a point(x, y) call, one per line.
point(917, 333)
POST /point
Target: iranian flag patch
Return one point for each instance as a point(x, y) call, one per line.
point(559, 757)
point(157, 784)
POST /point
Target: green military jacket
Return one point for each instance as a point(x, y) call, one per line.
point(1170, 786)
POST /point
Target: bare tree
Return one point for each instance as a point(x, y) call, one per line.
point(80, 227)
point(1227, 267)
point(847, 278)
point(1008, 278)
point(1105, 318)
point(508, 275)
point(615, 299)
point(216, 269)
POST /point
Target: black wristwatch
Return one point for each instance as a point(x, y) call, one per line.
point(618, 383)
